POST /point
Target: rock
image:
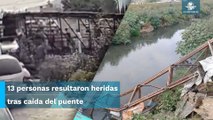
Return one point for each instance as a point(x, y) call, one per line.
point(198, 99)
point(147, 28)
point(206, 109)
point(209, 88)
point(187, 110)
point(191, 97)
point(190, 101)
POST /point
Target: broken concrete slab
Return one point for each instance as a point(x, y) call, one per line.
point(190, 101)
point(187, 110)
point(206, 109)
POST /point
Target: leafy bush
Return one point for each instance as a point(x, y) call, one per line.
point(139, 117)
point(159, 116)
point(82, 75)
point(123, 34)
point(199, 32)
point(171, 16)
point(155, 21)
point(169, 99)
point(195, 35)
point(158, 15)
point(165, 110)
point(206, 10)
point(138, 14)
point(132, 19)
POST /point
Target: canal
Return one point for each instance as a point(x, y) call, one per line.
point(134, 63)
point(144, 57)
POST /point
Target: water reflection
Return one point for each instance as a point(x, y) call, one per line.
point(138, 61)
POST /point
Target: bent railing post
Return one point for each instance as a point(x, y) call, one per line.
point(170, 83)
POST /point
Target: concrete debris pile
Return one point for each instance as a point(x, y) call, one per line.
point(204, 74)
point(197, 95)
point(206, 109)
point(198, 102)
point(189, 103)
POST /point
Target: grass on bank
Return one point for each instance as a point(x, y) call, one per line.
point(160, 15)
point(156, 14)
point(167, 102)
point(195, 35)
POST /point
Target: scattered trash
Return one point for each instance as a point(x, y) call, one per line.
point(207, 68)
point(128, 114)
point(207, 65)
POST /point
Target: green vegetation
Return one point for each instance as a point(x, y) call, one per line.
point(180, 72)
point(82, 75)
point(168, 100)
point(199, 32)
point(124, 34)
point(195, 35)
point(160, 116)
point(167, 103)
point(157, 15)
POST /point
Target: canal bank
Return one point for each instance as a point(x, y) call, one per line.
point(134, 63)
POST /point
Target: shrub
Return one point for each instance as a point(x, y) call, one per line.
point(137, 14)
point(169, 99)
point(158, 15)
point(155, 21)
point(195, 35)
point(132, 19)
point(82, 75)
point(139, 117)
point(122, 35)
point(165, 110)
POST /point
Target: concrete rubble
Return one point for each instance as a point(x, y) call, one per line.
point(197, 95)
point(206, 109)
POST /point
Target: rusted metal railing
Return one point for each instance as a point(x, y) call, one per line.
point(171, 83)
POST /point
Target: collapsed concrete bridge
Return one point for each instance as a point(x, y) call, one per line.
point(46, 38)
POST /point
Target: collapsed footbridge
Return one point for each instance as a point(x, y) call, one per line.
point(185, 70)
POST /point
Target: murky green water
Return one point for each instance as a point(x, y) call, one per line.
point(147, 55)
